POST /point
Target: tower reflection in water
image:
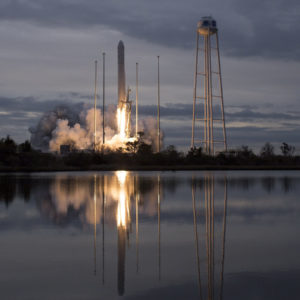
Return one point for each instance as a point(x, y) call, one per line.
point(209, 232)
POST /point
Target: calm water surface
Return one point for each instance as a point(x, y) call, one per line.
point(150, 235)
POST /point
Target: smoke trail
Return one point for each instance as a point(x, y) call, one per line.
point(74, 126)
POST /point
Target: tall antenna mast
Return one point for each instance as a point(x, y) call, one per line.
point(136, 102)
point(158, 107)
point(103, 104)
point(95, 101)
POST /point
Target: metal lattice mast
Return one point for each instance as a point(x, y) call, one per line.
point(136, 99)
point(221, 92)
point(158, 106)
point(195, 91)
point(204, 78)
point(103, 100)
point(95, 105)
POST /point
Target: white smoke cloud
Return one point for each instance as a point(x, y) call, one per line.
point(74, 126)
point(149, 126)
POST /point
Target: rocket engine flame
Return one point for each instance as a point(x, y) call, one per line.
point(121, 117)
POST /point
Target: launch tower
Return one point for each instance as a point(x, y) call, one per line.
point(208, 128)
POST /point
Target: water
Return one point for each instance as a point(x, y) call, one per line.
point(150, 235)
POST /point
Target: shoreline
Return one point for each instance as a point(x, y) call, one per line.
point(152, 168)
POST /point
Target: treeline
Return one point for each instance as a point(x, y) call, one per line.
point(138, 153)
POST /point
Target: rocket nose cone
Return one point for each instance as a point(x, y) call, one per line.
point(121, 44)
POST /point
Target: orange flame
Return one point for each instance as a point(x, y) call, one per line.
point(121, 116)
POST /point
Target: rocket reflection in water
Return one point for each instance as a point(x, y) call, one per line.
point(214, 239)
point(120, 189)
point(123, 223)
point(128, 186)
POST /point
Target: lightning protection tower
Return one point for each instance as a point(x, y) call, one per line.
point(208, 129)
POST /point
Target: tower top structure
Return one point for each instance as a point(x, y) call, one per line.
point(207, 26)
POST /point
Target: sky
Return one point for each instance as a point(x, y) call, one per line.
point(48, 50)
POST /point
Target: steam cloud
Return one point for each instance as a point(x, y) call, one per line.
point(74, 126)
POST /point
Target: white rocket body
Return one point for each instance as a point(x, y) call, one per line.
point(123, 99)
point(121, 73)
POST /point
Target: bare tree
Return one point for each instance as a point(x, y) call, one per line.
point(267, 150)
point(287, 150)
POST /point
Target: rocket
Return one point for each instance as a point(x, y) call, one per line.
point(121, 73)
point(124, 105)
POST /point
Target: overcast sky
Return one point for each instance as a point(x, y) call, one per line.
point(48, 50)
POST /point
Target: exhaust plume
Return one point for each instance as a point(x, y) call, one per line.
point(74, 126)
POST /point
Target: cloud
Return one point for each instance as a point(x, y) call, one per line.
point(245, 124)
point(21, 106)
point(248, 28)
point(24, 105)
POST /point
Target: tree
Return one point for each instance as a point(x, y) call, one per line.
point(244, 155)
point(172, 155)
point(245, 151)
point(132, 147)
point(25, 147)
point(8, 145)
point(144, 149)
point(195, 152)
point(287, 150)
point(267, 150)
point(194, 155)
